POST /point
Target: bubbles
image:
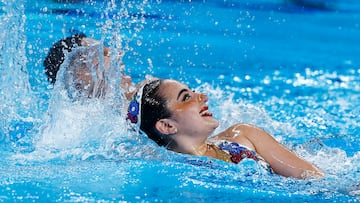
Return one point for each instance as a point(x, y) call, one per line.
point(237, 79)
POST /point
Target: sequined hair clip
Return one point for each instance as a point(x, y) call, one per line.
point(134, 109)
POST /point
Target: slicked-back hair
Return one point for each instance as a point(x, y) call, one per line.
point(56, 54)
point(154, 108)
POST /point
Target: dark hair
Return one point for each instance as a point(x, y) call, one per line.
point(154, 108)
point(56, 54)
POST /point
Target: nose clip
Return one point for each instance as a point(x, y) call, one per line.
point(199, 97)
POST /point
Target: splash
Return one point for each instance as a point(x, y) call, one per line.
point(18, 112)
point(80, 128)
point(83, 133)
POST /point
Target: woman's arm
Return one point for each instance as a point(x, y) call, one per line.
point(281, 159)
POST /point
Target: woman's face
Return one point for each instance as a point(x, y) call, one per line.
point(189, 109)
point(92, 42)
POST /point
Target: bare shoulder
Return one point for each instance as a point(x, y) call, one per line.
point(238, 133)
point(237, 130)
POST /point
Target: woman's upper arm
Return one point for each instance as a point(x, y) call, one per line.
point(281, 159)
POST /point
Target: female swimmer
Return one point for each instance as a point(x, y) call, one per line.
point(179, 119)
point(85, 62)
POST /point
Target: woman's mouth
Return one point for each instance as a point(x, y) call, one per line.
point(204, 112)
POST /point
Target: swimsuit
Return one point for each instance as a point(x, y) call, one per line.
point(235, 153)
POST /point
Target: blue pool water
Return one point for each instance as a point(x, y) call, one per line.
point(290, 68)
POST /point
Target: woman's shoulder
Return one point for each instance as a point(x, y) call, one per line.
point(237, 133)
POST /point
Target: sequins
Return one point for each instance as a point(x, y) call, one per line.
point(237, 152)
point(133, 111)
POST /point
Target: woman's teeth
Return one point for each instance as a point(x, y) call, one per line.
point(204, 112)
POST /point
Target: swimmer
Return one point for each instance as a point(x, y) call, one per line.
point(179, 119)
point(56, 55)
point(84, 74)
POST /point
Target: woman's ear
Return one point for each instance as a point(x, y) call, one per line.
point(166, 127)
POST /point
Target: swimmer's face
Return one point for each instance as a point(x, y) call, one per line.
point(92, 42)
point(190, 112)
point(86, 67)
point(83, 80)
point(83, 70)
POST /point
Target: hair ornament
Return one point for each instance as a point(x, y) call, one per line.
point(134, 109)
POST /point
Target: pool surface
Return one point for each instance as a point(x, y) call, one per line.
point(289, 67)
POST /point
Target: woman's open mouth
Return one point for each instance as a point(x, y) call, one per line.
point(204, 112)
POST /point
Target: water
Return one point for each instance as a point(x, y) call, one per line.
point(289, 69)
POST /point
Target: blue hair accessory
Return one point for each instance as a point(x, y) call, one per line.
point(134, 109)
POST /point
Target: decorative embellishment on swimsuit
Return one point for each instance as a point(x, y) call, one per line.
point(238, 152)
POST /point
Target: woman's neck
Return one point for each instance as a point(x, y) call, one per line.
point(190, 146)
point(200, 149)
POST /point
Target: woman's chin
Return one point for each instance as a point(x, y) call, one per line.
point(214, 123)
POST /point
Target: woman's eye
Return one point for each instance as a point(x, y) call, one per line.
point(186, 97)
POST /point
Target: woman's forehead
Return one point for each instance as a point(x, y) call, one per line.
point(173, 84)
point(171, 88)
